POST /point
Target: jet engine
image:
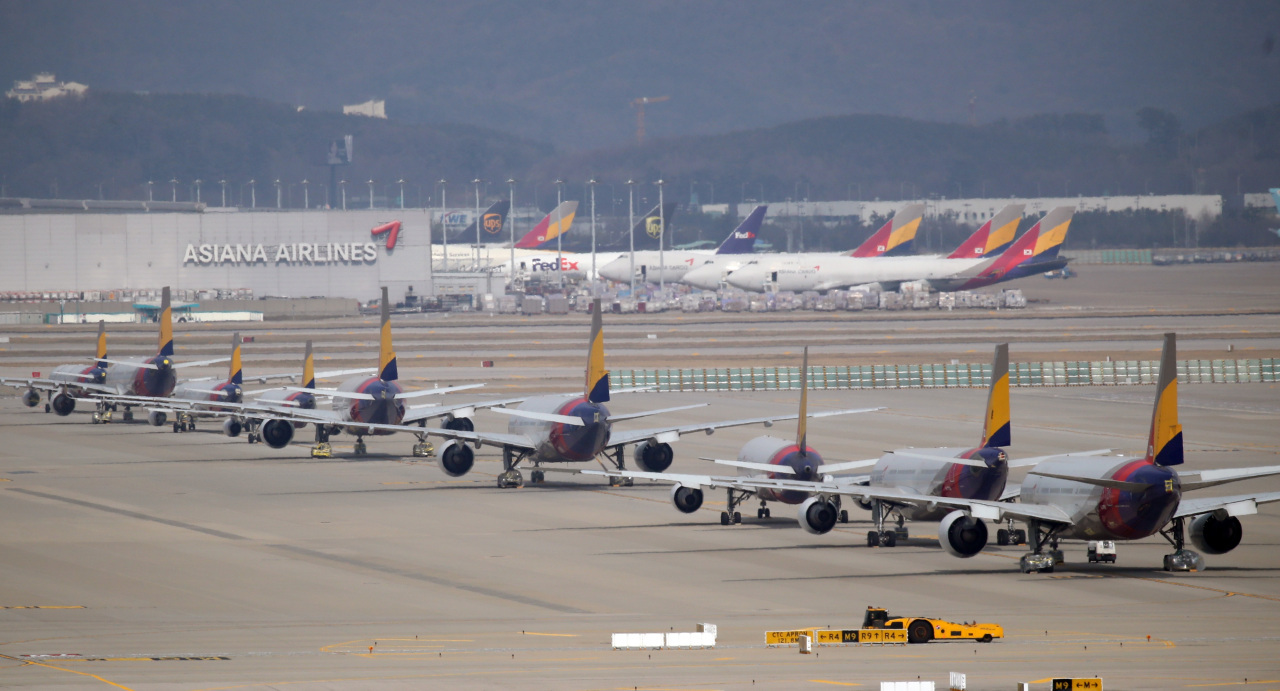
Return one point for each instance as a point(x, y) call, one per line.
point(460, 424)
point(1213, 535)
point(864, 504)
point(456, 458)
point(962, 536)
point(63, 404)
point(686, 499)
point(232, 427)
point(31, 398)
point(157, 418)
point(817, 516)
point(653, 457)
point(277, 433)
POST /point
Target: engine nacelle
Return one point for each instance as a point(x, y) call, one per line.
point(277, 433)
point(817, 516)
point(456, 458)
point(864, 504)
point(1213, 535)
point(63, 404)
point(653, 457)
point(460, 424)
point(31, 398)
point(157, 418)
point(232, 427)
point(962, 536)
point(686, 499)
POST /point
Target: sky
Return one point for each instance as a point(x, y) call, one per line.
point(566, 71)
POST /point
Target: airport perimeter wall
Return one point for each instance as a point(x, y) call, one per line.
point(287, 254)
point(1118, 373)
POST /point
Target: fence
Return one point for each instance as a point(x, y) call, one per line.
point(1118, 373)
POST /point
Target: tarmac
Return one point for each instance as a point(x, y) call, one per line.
point(138, 558)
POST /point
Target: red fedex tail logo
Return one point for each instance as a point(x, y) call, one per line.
point(392, 230)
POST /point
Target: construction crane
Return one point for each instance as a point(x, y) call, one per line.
point(640, 103)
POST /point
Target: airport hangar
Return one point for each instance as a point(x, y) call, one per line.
point(271, 253)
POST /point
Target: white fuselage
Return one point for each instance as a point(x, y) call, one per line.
point(840, 272)
point(1099, 513)
point(556, 442)
point(652, 266)
point(939, 478)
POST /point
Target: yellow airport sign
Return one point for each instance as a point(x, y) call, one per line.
point(1077, 685)
point(786, 637)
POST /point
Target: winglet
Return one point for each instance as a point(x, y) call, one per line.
point(993, 237)
point(102, 343)
point(743, 238)
point(802, 423)
point(895, 237)
point(166, 324)
point(597, 387)
point(1164, 444)
point(996, 425)
point(308, 369)
point(235, 374)
point(386, 355)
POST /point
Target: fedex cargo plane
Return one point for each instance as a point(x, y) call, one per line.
point(645, 265)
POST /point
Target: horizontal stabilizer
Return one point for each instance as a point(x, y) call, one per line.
point(1035, 460)
point(647, 413)
point(344, 372)
point(139, 365)
point(435, 392)
point(1212, 478)
point(545, 417)
point(331, 392)
point(200, 363)
point(847, 465)
point(1099, 482)
point(762, 467)
point(976, 462)
point(211, 392)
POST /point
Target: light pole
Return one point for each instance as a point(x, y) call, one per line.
point(477, 182)
point(198, 182)
point(444, 232)
point(631, 228)
point(279, 201)
point(223, 182)
point(253, 193)
point(370, 193)
point(662, 241)
point(306, 194)
point(559, 232)
point(511, 221)
point(592, 184)
point(173, 186)
point(150, 188)
point(343, 185)
point(401, 181)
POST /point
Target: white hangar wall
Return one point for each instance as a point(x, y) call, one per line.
point(82, 252)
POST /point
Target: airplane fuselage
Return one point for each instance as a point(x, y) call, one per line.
point(942, 479)
point(384, 409)
point(781, 452)
point(556, 442)
point(1102, 513)
point(817, 273)
point(131, 380)
point(78, 374)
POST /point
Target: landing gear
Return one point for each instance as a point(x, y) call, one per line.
point(1010, 535)
point(510, 477)
point(537, 477)
point(128, 414)
point(880, 513)
point(424, 448)
point(322, 448)
point(102, 414)
point(731, 516)
point(1038, 560)
point(618, 458)
point(727, 518)
point(360, 448)
point(762, 512)
point(253, 431)
point(1182, 558)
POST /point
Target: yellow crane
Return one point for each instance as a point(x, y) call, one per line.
point(639, 104)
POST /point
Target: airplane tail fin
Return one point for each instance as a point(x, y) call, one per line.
point(166, 324)
point(386, 354)
point(993, 237)
point(802, 423)
point(235, 373)
point(743, 238)
point(1053, 233)
point(492, 221)
point(996, 424)
point(1164, 444)
point(895, 237)
point(555, 224)
point(597, 388)
point(102, 343)
point(308, 369)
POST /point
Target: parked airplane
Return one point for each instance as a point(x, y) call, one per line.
point(546, 251)
point(459, 246)
point(895, 237)
point(557, 223)
point(1037, 248)
point(66, 382)
point(1108, 497)
point(676, 263)
point(774, 469)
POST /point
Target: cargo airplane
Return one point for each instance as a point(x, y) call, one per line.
point(1106, 497)
point(894, 238)
point(1034, 252)
point(670, 266)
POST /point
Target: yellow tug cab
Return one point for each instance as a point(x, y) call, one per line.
point(924, 629)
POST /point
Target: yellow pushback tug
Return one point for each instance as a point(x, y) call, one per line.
point(924, 629)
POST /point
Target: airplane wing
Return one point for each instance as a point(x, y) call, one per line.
point(759, 467)
point(829, 468)
point(670, 434)
point(294, 376)
point(427, 411)
point(647, 413)
point(1034, 460)
point(55, 385)
point(1211, 478)
point(686, 480)
point(977, 508)
point(1236, 505)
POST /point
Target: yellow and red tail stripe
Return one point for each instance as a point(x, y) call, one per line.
point(166, 324)
point(308, 369)
point(996, 426)
point(102, 343)
point(387, 370)
point(1164, 444)
point(597, 386)
point(235, 375)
